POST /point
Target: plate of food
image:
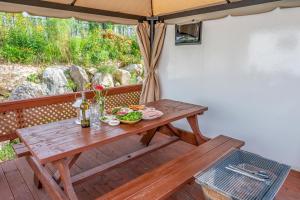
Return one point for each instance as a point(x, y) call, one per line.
point(107, 118)
point(130, 118)
point(137, 107)
point(150, 114)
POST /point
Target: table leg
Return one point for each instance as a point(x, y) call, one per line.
point(42, 174)
point(193, 122)
point(71, 162)
point(37, 182)
point(173, 130)
point(146, 139)
point(63, 168)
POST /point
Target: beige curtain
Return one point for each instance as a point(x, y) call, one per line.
point(151, 89)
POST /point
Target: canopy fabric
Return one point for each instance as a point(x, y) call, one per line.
point(151, 88)
point(47, 12)
point(146, 8)
point(249, 10)
point(143, 8)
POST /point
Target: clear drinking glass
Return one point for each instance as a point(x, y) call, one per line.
point(94, 116)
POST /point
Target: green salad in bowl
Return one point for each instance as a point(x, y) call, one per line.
point(131, 117)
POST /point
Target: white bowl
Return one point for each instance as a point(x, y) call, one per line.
point(114, 122)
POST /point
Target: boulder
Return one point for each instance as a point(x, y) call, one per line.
point(117, 84)
point(139, 80)
point(28, 90)
point(79, 76)
point(56, 80)
point(138, 69)
point(13, 75)
point(92, 71)
point(122, 76)
point(103, 79)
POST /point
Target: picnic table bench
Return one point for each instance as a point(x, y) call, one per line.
point(61, 143)
point(166, 179)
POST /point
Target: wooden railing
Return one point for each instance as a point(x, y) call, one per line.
point(42, 110)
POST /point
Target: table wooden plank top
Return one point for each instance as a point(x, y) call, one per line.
point(58, 140)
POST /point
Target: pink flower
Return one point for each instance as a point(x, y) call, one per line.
point(99, 87)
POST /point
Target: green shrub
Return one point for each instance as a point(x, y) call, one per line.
point(71, 85)
point(133, 78)
point(43, 41)
point(34, 78)
point(106, 69)
point(7, 152)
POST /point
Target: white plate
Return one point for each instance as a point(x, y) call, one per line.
point(108, 118)
point(152, 114)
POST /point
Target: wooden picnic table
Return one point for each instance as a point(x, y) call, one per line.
point(61, 143)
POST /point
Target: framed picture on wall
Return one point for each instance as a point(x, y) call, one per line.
point(188, 33)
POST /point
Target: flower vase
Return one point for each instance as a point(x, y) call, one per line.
point(101, 104)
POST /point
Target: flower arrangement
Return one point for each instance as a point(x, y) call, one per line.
point(100, 94)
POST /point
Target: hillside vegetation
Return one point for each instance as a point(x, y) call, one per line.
point(47, 56)
point(42, 41)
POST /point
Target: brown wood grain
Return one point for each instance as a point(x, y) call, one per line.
point(48, 100)
point(27, 175)
point(63, 139)
point(20, 149)
point(16, 182)
point(114, 178)
point(166, 179)
point(65, 175)
point(4, 187)
point(42, 110)
point(123, 159)
point(51, 186)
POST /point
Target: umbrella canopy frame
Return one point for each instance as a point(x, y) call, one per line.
point(72, 7)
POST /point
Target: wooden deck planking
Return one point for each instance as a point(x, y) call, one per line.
point(4, 186)
point(16, 182)
point(16, 177)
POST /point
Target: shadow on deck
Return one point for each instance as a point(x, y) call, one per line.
point(16, 177)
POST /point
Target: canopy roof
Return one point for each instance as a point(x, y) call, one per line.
point(146, 8)
point(132, 11)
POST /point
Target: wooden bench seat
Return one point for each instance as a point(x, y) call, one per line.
point(166, 179)
point(20, 150)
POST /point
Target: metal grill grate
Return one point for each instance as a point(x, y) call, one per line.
point(244, 186)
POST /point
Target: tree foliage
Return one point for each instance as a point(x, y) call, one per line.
point(41, 41)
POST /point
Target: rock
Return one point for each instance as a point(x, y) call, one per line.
point(79, 76)
point(56, 80)
point(92, 71)
point(117, 64)
point(117, 84)
point(28, 90)
point(140, 80)
point(13, 75)
point(138, 69)
point(103, 79)
point(122, 76)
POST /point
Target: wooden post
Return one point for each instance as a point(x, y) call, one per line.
point(193, 121)
point(63, 168)
point(146, 139)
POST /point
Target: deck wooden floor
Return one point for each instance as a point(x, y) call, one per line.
point(16, 177)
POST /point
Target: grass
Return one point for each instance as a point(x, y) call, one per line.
point(34, 78)
point(7, 152)
point(106, 69)
point(133, 78)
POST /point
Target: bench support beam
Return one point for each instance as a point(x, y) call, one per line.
point(79, 178)
point(49, 184)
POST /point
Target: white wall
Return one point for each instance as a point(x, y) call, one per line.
point(247, 71)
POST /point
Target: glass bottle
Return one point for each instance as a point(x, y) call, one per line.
point(85, 115)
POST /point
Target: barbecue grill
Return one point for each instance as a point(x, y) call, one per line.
point(242, 175)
